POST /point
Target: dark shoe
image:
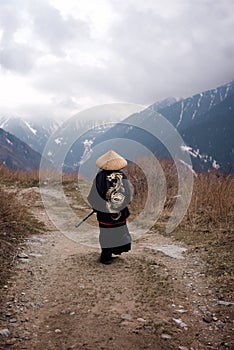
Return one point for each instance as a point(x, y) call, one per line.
point(107, 262)
point(105, 257)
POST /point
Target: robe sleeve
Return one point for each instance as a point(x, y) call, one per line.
point(96, 197)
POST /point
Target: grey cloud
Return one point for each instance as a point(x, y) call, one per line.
point(18, 58)
point(76, 80)
point(9, 20)
point(153, 50)
point(45, 24)
point(54, 30)
point(152, 56)
point(13, 56)
point(9, 23)
point(162, 55)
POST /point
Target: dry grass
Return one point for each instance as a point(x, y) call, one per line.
point(207, 226)
point(16, 223)
point(18, 178)
point(212, 202)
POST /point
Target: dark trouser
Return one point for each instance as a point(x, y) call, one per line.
point(106, 255)
point(107, 252)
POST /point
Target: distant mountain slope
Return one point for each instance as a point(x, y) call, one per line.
point(16, 154)
point(213, 135)
point(187, 112)
point(204, 121)
point(33, 132)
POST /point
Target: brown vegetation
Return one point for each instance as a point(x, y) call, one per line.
point(207, 226)
point(17, 177)
point(16, 223)
point(212, 201)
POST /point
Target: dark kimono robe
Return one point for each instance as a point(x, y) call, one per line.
point(109, 197)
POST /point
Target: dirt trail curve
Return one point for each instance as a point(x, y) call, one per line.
point(155, 297)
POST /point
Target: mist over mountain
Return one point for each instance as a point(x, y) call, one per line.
point(205, 122)
point(33, 132)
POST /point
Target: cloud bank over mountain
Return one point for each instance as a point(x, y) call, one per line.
point(58, 57)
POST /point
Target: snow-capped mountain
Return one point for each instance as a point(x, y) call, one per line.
point(16, 154)
point(211, 137)
point(190, 111)
point(36, 133)
point(205, 121)
point(139, 118)
point(33, 132)
point(81, 149)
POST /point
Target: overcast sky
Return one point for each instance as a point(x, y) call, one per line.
point(58, 57)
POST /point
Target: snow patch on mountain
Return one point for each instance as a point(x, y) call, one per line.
point(58, 141)
point(190, 167)
point(215, 165)
point(87, 151)
point(4, 123)
point(204, 157)
point(199, 100)
point(8, 141)
point(181, 114)
point(34, 131)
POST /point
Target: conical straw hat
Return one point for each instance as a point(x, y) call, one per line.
point(111, 161)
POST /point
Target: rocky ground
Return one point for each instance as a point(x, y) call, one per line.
point(155, 297)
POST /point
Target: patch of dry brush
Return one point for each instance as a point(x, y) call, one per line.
point(20, 178)
point(212, 201)
point(208, 225)
point(16, 223)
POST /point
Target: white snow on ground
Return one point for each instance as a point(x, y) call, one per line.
point(212, 99)
point(194, 114)
point(215, 165)
point(181, 113)
point(171, 250)
point(186, 148)
point(199, 101)
point(58, 141)
point(87, 150)
point(188, 166)
point(8, 141)
point(4, 124)
point(227, 90)
point(191, 151)
point(196, 154)
point(34, 131)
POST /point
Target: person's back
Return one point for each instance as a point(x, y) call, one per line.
point(109, 197)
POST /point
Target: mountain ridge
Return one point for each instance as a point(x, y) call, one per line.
point(16, 154)
point(34, 133)
point(204, 121)
point(197, 114)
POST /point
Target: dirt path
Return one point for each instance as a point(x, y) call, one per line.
point(155, 297)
